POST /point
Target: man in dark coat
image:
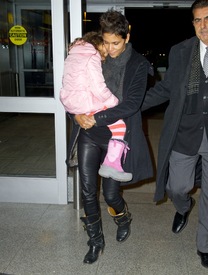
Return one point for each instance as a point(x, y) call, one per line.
point(184, 135)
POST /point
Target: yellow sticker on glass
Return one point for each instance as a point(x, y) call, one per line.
point(18, 35)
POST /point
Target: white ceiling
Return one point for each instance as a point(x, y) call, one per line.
point(103, 5)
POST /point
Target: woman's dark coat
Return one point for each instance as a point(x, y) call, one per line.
point(138, 160)
point(173, 89)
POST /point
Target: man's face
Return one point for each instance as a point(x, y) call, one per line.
point(114, 44)
point(200, 23)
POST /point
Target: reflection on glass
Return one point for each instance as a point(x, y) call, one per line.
point(27, 145)
point(37, 53)
point(26, 69)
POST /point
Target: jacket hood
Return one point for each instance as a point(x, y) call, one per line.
point(84, 49)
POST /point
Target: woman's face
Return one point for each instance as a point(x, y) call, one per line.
point(114, 44)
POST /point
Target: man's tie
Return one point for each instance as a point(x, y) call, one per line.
point(205, 63)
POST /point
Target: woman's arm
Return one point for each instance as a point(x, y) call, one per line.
point(135, 82)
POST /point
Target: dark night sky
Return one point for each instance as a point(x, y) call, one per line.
point(153, 29)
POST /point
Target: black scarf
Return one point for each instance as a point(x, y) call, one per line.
point(194, 77)
point(192, 103)
point(114, 70)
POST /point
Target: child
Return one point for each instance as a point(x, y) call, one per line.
point(84, 92)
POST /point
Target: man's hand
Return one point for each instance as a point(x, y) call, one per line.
point(85, 121)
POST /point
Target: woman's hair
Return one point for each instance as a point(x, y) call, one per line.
point(94, 38)
point(114, 22)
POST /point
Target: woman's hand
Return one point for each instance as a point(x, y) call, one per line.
point(85, 121)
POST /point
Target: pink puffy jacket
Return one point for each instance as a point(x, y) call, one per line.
point(83, 86)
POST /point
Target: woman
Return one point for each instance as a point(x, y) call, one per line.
point(125, 73)
point(84, 91)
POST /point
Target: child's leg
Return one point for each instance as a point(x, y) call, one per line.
point(111, 166)
point(118, 129)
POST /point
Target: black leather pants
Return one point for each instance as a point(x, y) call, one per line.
point(90, 155)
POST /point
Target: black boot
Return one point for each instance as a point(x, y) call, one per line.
point(93, 226)
point(123, 220)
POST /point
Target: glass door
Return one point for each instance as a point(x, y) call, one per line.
point(32, 119)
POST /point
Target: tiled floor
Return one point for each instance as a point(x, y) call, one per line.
point(49, 239)
point(44, 239)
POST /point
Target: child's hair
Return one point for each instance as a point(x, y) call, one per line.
point(94, 38)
